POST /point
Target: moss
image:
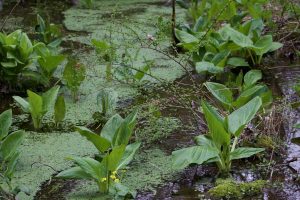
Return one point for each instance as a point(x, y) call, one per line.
point(229, 189)
point(266, 141)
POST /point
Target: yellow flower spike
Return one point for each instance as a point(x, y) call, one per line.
point(113, 177)
point(103, 179)
point(117, 180)
point(114, 172)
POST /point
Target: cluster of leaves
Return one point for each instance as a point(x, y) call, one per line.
point(114, 154)
point(9, 154)
point(216, 146)
point(247, 88)
point(48, 33)
point(20, 58)
point(228, 47)
point(39, 105)
point(107, 102)
point(205, 11)
point(73, 75)
point(237, 43)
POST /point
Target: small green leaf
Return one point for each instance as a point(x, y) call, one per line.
point(22, 103)
point(5, 123)
point(59, 109)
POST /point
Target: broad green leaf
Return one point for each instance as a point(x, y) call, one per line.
point(59, 109)
point(10, 64)
point(115, 157)
point(220, 92)
point(125, 130)
point(49, 98)
point(74, 173)
point(216, 126)
point(208, 67)
point(244, 152)
point(237, 62)
point(263, 45)
point(128, 155)
point(25, 46)
point(238, 38)
point(50, 63)
point(185, 37)
point(11, 165)
point(275, 46)
point(238, 119)
point(90, 166)
point(99, 142)
point(22, 103)
point(11, 143)
point(5, 123)
point(36, 108)
point(250, 93)
point(205, 141)
point(252, 77)
point(111, 127)
point(192, 155)
point(41, 23)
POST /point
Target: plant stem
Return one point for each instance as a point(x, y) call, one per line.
point(234, 143)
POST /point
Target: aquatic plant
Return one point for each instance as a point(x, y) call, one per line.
point(38, 105)
point(114, 154)
point(106, 52)
point(247, 90)
point(16, 54)
point(9, 154)
point(73, 75)
point(216, 146)
point(21, 60)
point(48, 33)
point(48, 62)
point(59, 109)
point(107, 102)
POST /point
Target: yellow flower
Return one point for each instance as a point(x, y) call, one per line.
point(117, 180)
point(103, 179)
point(113, 177)
point(114, 172)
